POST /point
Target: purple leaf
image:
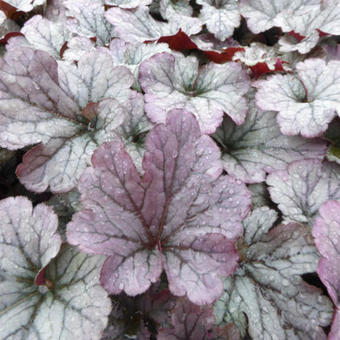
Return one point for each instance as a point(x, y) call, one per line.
point(333, 51)
point(304, 187)
point(228, 332)
point(306, 101)
point(174, 81)
point(267, 295)
point(256, 147)
point(69, 303)
point(138, 25)
point(221, 17)
point(179, 216)
point(115, 329)
point(190, 322)
point(43, 103)
point(326, 232)
point(133, 316)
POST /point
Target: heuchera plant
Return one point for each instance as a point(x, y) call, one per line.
point(169, 169)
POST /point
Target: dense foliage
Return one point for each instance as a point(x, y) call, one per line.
point(169, 169)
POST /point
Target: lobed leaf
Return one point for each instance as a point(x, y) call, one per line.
point(138, 25)
point(267, 295)
point(46, 35)
point(306, 101)
point(69, 302)
point(179, 216)
point(261, 15)
point(257, 146)
point(174, 81)
point(300, 190)
point(324, 18)
point(28, 239)
point(221, 17)
point(168, 9)
point(41, 102)
point(86, 18)
point(132, 55)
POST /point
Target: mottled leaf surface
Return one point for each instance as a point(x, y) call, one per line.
point(174, 81)
point(168, 8)
point(77, 47)
point(77, 306)
point(326, 232)
point(46, 35)
point(300, 190)
point(220, 16)
point(307, 101)
point(69, 303)
point(261, 15)
point(28, 237)
point(43, 103)
point(132, 55)
point(179, 216)
point(325, 18)
point(257, 146)
point(301, 42)
point(95, 77)
point(86, 18)
point(267, 295)
point(138, 25)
